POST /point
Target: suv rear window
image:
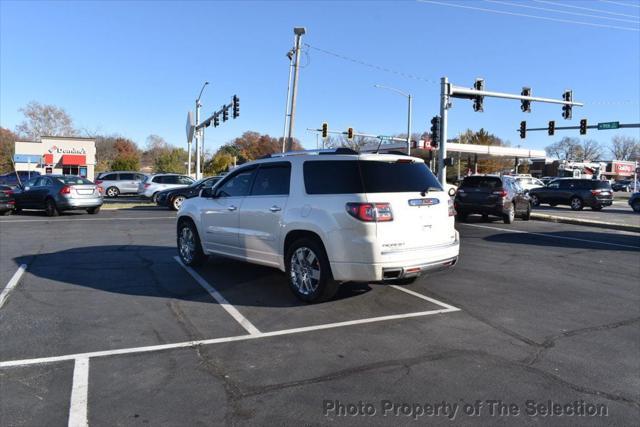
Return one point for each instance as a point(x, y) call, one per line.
point(487, 182)
point(367, 176)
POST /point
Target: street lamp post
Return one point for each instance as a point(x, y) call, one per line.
point(409, 107)
point(198, 142)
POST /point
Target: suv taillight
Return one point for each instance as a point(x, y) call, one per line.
point(596, 192)
point(370, 212)
point(65, 190)
point(147, 185)
point(452, 210)
point(98, 181)
point(500, 193)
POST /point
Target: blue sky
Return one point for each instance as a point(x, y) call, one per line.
point(135, 68)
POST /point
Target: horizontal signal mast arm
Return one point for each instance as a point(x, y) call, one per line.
point(463, 92)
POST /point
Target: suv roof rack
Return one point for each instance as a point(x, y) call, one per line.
point(339, 150)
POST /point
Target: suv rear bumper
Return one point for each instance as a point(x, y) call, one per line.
point(415, 263)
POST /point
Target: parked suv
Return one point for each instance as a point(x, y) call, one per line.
point(574, 192)
point(11, 178)
point(115, 183)
point(151, 185)
point(325, 218)
point(492, 195)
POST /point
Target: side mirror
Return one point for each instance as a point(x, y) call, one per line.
point(207, 193)
point(452, 192)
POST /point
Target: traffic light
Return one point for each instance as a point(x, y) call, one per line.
point(225, 114)
point(552, 127)
point(526, 105)
point(236, 106)
point(583, 127)
point(478, 100)
point(350, 134)
point(435, 131)
point(325, 130)
point(566, 108)
point(216, 121)
point(523, 129)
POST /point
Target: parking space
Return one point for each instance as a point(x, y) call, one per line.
point(106, 325)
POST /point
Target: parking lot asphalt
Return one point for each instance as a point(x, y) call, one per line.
point(106, 325)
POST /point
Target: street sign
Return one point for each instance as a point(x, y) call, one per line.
point(608, 125)
point(190, 127)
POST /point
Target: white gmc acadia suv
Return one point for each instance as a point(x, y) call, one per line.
point(325, 217)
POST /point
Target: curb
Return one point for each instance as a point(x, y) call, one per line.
point(587, 222)
point(137, 207)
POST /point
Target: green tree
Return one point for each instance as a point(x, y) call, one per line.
point(7, 144)
point(125, 162)
point(172, 160)
point(218, 164)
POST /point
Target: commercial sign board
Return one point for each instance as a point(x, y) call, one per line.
point(620, 168)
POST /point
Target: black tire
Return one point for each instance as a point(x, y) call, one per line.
point(7, 212)
point(510, 216)
point(154, 197)
point(461, 216)
point(485, 218)
point(324, 287)
point(112, 192)
point(535, 200)
point(93, 211)
point(50, 208)
point(636, 206)
point(553, 205)
point(576, 203)
point(17, 210)
point(527, 215)
point(176, 206)
point(191, 254)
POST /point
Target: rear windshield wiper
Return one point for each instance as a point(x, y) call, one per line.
point(425, 191)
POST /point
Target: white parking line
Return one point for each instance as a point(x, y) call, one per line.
point(186, 344)
point(553, 236)
point(244, 322)
point(146, 218)
point(79, 393)
point(426, 298)
point(12, 283)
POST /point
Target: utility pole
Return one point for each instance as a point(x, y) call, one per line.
point(299, 32)
point(197, 135)
point(410, 99)
point(290, 55)
point(442, 149)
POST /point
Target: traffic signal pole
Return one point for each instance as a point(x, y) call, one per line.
point(448, 91)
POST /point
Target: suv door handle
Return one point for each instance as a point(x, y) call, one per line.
point(275, 208)
point(232, 208)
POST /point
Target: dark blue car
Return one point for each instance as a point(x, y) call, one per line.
point(634, 202)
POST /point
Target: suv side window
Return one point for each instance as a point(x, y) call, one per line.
point(566, 184)
point(110, 177)
point(238, 184)
point(184, 180)
point(272, 180)
point(126, 177)
point(332, 177)
point(159, 179)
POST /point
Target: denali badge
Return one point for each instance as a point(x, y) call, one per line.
point(424, 202)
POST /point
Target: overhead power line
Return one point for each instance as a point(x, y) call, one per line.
point(619, 3)
point(374, 66)
point(547, 9)
point(504, 12)
point(585, 8)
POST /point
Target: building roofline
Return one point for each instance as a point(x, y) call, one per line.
point(75, 138)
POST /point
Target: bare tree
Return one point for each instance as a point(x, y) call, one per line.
point(44, 120)
point(625, 148)
point(591, 150)
point(566, 149)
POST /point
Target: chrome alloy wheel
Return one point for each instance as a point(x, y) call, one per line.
point(187, 244)
point(305, 270)
point(177, 202)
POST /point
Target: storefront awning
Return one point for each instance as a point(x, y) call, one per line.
point(74, 160)
point(47, 159)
